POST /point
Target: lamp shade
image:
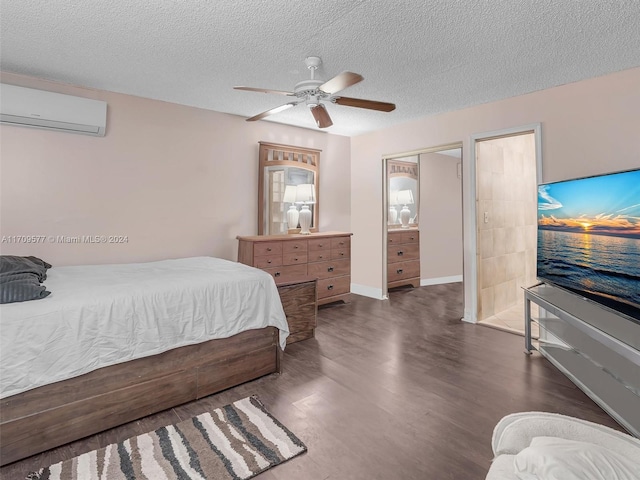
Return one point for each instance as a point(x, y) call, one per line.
point(289, 194)
point(306, 193)
point(405, 197)
point(393, 198)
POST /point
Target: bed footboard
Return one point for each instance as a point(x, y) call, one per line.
point(52, 415)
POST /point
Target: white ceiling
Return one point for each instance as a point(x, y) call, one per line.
point(427, 56)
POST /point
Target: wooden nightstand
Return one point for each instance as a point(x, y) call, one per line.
point(299, 301)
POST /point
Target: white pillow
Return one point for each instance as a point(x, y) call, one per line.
point(551, 458)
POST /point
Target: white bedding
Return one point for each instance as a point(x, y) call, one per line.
point(107, 314)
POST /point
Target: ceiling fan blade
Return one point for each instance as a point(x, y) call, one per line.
point(264, 90)
point(271, 112)
point(321, 115)
point(360, 103)
point(340, 82)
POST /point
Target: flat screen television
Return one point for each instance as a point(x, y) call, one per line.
point(589, 239)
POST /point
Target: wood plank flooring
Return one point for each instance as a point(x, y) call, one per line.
point(398, 389)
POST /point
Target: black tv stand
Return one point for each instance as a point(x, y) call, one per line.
point(596, 348)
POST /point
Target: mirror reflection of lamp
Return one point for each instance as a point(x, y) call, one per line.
point(393, 212)
point(292, 213)
point(405, 197)
point(306, 195)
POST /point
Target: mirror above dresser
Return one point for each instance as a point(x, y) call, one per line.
point(288, 189)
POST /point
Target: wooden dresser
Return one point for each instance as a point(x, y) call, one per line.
point(324, 255)
point(299, 301)
point(403, 258)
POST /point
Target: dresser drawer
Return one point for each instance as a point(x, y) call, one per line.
point(333, 286)
point(267, 261)
point(332, 268)
point(410, 237)
point(319, 244)
point(296, 246)
point(319, 256)
point(394, 237)
point(267, 248)
point(403, 252)
point(341, 243)
point(403, 270)
point(294, 258)
point(338, 253)
point(286, 272)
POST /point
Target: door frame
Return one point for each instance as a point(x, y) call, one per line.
point(470, 229)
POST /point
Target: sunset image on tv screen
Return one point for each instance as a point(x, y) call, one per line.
point(589, 237)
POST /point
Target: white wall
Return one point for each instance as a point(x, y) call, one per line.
point(177, 181)
point(588, 127)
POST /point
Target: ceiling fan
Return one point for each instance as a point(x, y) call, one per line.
point(312, 91)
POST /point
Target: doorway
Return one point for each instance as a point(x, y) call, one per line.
point(506, 228)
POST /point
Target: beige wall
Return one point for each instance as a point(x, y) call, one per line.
point(440, 218)
point(588, 127)
point(176, 180)
point(507, 195)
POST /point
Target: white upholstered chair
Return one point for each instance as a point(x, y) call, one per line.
point(515, 432)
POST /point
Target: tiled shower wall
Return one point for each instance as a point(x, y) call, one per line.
point(506, 196)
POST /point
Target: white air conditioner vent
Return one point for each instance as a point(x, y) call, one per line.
point(28, 107)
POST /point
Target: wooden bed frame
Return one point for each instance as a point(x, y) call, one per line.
point(49, 416)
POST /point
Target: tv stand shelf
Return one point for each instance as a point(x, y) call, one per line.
point(596, 348)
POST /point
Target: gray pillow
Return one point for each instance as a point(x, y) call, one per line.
point(12, 264)
point(20, 278)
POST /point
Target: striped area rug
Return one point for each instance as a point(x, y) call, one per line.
point(237, 441)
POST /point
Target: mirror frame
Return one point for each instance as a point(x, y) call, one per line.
point(274, 154)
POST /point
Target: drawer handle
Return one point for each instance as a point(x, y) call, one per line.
point(320, 256)
point(268, 261)
point(320, 245)
point(341, 243)
point(341, 253)
point(268, 249)
point(330, 269)
point(399, 270)
point(296, 246)
point(330, 287)
point(400, 253)
point(412, 238)
point(277, 274)
point(295, 259)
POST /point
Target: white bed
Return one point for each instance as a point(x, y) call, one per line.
point(114, 343)
point(102, 315)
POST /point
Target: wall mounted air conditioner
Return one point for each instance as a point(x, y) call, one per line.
point(28, 107)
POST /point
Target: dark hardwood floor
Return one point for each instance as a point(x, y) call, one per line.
point(398, 389)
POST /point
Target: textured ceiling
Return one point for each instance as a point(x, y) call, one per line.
point(427, 56)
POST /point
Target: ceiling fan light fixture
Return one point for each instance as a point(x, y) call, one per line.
point(313, 101)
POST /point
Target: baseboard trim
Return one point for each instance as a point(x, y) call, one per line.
point(366, 291)
point(440, 280)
